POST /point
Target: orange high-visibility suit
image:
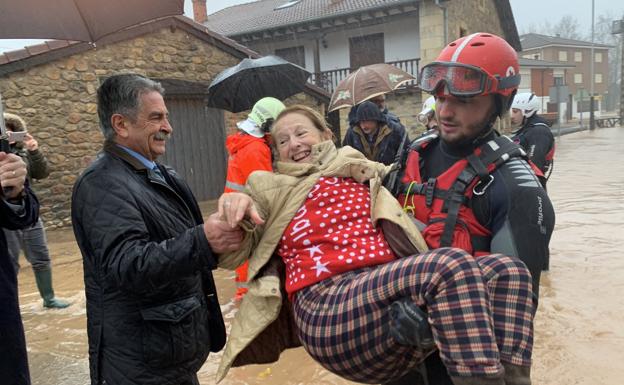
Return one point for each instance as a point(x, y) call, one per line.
point(246, 155)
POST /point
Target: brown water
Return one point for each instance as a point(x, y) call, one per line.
point(579, 326)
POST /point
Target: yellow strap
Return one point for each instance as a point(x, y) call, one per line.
point(406, 208)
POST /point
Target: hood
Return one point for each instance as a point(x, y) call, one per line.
point(15, 121)
point(235, 142)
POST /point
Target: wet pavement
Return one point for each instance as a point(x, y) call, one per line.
point(579, 326)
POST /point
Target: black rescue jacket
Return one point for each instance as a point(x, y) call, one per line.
point(147, 274)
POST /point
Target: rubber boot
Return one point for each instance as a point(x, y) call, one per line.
point(517, 375)
point(498, 380)
point(44, 284)
point(413, 377)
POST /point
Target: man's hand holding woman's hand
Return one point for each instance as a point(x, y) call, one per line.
point(233, 207)
point(221, 228)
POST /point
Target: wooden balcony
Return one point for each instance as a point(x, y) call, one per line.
point(330, 79)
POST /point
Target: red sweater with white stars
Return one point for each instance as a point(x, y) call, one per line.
point(331, 233)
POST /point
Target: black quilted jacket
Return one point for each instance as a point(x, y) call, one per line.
point(146, 267)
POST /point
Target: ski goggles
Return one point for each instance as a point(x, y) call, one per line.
point(463, 80)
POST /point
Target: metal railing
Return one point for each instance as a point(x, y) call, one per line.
point(330, 79)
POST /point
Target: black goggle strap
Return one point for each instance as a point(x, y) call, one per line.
point(512, 81)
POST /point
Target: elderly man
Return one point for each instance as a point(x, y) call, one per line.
point(152, 312)
point(18, 209)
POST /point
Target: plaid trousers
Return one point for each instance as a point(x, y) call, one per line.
point(480, 311)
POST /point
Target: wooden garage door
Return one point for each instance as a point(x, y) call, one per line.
point(197, 148)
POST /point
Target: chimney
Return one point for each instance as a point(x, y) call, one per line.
point(200, 14)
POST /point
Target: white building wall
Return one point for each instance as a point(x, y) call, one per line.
point(525, 80)
point(401, 42)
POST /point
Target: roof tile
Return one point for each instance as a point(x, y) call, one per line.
point(535, 40)
point(262, 14)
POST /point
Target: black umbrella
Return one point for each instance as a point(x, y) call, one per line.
point(237, 88)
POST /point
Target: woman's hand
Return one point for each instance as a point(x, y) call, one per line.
point(233, 207)
point(12, 174)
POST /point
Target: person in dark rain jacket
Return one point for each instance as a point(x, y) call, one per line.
point(18, 209)
point(152, 311)
point(372, 136)
point(533, 133)
point(32, 239)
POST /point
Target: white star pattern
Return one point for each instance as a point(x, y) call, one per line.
point(339, 233)
point(314, 249)
point(321, 268)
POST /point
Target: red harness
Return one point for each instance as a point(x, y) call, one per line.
point(442, 203)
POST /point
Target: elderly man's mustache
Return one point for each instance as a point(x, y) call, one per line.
point(162, 135)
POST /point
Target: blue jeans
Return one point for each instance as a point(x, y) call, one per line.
point(33, 241)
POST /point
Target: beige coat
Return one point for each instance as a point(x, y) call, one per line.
point(261, 318)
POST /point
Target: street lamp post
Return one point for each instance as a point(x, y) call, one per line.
point(618, 29)
point(592, 122)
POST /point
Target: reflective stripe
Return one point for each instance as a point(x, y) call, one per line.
point(234, 186)
point(242, 285)
point(461, 47)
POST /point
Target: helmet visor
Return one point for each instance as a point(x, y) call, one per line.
point(460, 79)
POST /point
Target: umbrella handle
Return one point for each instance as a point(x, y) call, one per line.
point(393, 176)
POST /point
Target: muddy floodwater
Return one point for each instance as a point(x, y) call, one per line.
point(579, 330)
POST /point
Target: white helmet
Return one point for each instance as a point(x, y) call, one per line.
point(428, 107)
point(527, 102)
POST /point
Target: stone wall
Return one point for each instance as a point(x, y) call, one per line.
point(58, 101)
point(469, 16)
point(466, 16)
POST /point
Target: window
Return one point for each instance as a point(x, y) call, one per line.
point(578, 56)
point(578, 78)
point(598, 56)
point(292, 54)
point(365, 50)
point(563, 55)
point(598, 78)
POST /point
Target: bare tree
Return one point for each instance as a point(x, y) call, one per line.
point(602, 35)
point(567, 27)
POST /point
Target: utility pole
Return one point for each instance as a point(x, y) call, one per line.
point(592, 122)
point(618, 29)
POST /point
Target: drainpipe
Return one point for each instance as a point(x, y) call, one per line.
point(443, 6)
point(317, 61)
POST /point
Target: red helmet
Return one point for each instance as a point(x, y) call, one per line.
point(478, 64)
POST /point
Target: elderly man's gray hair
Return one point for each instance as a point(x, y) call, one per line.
point(120, 94)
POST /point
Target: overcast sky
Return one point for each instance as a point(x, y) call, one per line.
point(526, 13)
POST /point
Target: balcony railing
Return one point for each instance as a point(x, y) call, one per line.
point(330, 79)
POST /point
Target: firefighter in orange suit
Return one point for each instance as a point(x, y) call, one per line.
point(249, 151)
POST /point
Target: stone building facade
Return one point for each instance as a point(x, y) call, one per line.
point(54, 89)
